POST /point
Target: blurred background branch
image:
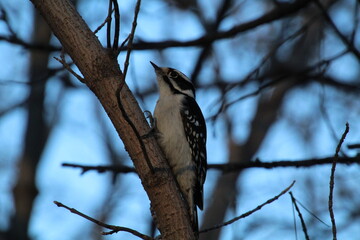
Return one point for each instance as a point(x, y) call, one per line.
point(275, 79)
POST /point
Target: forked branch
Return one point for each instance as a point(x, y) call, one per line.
point(114, 229)
point(248, 213)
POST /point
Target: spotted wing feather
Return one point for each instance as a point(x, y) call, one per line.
point(195, 129)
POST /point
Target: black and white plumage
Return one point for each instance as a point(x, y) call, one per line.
point(181, 132)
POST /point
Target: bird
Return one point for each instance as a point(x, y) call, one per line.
point(181, 133)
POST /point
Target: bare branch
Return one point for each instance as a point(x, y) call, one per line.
point(108, 26)
point(67, 67)
point(311, 213)
point(293, 200)
point(14, 107)
point(347, 43)
point(100, 169)
point(332, 180)
point(249, 212)
point(131, 38)
point(117, 25)
point(118, 91)
point(300, 76)
point(275, 14)
point(14, 39)
point(255, 72)
point(229, 167)
point(353, 146)
point(106, 21)
point(102, 73)
point(210, 27)
point(114, 229)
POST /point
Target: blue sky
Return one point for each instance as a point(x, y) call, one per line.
point(78, 138)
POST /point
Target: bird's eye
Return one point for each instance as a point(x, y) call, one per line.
point(173, 74)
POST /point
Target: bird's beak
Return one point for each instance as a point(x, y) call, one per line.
point(155, 66)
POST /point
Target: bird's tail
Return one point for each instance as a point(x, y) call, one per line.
point(194, 221)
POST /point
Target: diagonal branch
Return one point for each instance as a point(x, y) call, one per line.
point(347, 43)
point(228, 167)
point(275, 14)
point(249, 212)
point(293, 200)
point(111, 227)
point(332, 176)
point(102, 75)
point(131, 38)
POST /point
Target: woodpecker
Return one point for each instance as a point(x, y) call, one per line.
point(181, 133)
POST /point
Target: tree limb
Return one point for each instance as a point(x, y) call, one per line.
point(332, 181)
point(102, 75)
point(273, 15)
point(111, 227)
point(248, 213)
point(228, 167)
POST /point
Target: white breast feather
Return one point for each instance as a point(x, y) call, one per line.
point(169, 124)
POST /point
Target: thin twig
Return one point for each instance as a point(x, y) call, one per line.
point(286, 163)
point(356, 22)
point(118, 91)
point(326, 117)
point(293, 200)
point(5, 18)
point(14, 39)
point(269, 17)
point(353, 146)
point(108, 27)
point(255, 72)
point(222, 13)
point(132, 125)
point(107, 20)
point(347, 43)
point(273, 15)
point(311, 213)
point(67, 67)
point(124, 42)
point(114, 229)
point(15, 106)
point(249, 212)
point(277, 79)
point(101, 169)
point(294, 222)
point(226, 168)
point(117, 25)
point(332, 180)
point(131, 39)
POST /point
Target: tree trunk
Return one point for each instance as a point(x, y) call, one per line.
point(103, 76)
point(25, 190)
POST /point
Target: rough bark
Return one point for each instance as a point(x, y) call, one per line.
point(102, 75)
